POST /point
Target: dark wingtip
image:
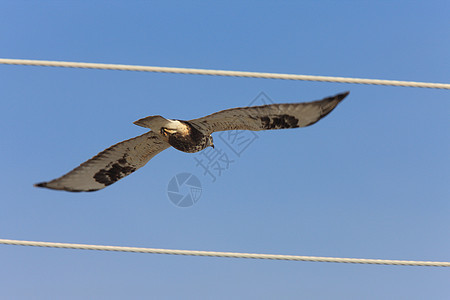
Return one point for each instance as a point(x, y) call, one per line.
point(40, 184)
point(341, 96)
point(45, 185)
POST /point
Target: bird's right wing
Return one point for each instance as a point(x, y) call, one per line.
point(110, 165)
point(266, 117)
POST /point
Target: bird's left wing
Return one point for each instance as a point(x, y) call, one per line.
point(110, 165)
point(266, 117)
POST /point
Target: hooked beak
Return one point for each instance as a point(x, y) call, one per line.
point(212, 145)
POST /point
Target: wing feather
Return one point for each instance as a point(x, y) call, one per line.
point(272, 116)
point(110, 165)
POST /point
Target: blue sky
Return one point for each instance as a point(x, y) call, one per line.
point(371, 180)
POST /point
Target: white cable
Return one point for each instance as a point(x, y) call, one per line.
point(221, 73)
point(235, 74)
point(227, 254)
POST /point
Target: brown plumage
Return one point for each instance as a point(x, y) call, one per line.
point(191, 136)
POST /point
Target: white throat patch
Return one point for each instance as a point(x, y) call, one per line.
point(177, 126)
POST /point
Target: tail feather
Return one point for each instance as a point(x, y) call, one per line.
point(153, 122)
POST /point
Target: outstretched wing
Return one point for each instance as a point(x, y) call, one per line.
point(110, 165)
point(272, 116)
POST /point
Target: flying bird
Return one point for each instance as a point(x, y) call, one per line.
point(191, 136)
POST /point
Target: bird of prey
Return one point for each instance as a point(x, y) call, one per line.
point(191, 136)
